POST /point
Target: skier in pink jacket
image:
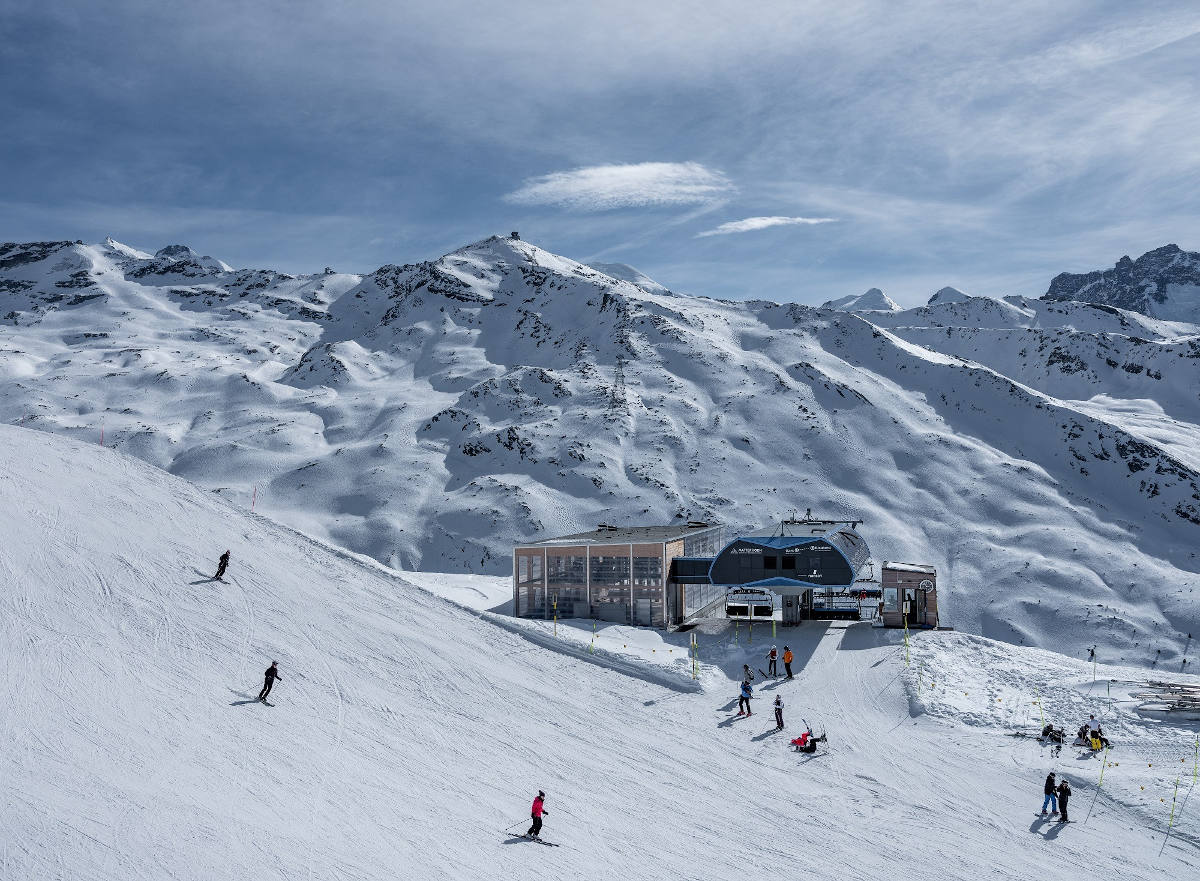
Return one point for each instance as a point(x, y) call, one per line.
point(536, 812)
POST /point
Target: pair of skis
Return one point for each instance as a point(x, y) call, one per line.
point(534, 840)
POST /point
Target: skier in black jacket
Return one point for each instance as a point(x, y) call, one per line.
point(268, 680)
point(222, 564)
point(1064, 795)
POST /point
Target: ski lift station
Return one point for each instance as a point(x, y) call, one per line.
point(667, 576)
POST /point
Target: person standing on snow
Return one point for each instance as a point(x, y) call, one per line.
point(747, 673)
point(772, 663)
point(1064, 795)
point(778, 713)
point(268, 680)
point(1051, 792)
point(222, 564)
point(744, 700)
point(536, 812)
point(787, 661)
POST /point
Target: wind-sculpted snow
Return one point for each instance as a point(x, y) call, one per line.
point(431, 414)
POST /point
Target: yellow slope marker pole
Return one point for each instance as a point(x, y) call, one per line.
point(1171, 822)
point(905, 640)
point(592, 647)
point(556, 616)
point(1103, 765)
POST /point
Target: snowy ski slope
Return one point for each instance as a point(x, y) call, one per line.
point(410, 731)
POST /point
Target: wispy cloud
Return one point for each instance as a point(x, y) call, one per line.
point(604, 187)
point(750, 224)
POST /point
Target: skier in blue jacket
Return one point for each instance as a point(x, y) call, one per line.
point(744, 700)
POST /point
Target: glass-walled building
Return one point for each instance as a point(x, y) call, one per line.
point(613, 573)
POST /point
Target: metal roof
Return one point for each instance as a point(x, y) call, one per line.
point(627, 535)
point(911, 567)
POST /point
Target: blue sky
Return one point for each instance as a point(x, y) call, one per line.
point(785, 150)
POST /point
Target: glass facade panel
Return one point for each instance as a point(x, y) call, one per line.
point(648, 598)
point(891, 599)
point(530, 595)
point(647, 571)
point(610, 573)
point(566, 579)
point(704, 543)
point(697, 596)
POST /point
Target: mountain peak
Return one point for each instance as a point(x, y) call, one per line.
point(948, 295)
point(872, 300)
point(176, 253)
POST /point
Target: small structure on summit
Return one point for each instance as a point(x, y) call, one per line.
point(516, 236)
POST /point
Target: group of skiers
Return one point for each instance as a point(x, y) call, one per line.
point(773, 658)
point(272, 672)
point(1057, 795)
point(746, 694)
point(1090, 735)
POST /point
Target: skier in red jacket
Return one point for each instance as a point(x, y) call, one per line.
point(536, 812)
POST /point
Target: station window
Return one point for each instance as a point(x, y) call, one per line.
point(789, 562)
point(769, 563)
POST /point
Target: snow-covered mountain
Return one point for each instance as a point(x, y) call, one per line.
point(1042, 455)
point(948, 295)
point(873, 300)
point(1163, 283)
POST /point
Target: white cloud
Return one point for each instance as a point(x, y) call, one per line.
point(750, 224)
point(603, 187)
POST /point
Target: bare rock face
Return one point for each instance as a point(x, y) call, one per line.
point(1163, 283)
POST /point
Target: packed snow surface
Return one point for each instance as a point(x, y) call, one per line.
point(1042, 455)
point(409, 732)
